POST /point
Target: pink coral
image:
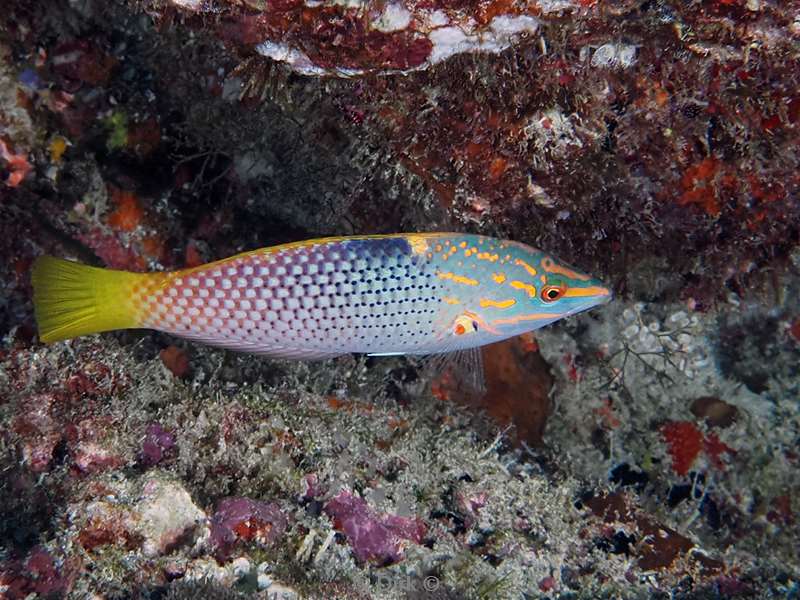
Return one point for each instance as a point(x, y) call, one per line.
point(91, 446)
point(244, 519)
point(38, 575)
point(38, 431)
point(156, 444)
point(373, 536)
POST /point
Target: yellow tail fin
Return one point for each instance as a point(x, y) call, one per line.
point(71, 299)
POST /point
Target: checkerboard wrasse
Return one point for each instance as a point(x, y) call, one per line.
point(421, 293)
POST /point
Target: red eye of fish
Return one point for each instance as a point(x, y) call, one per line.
point(551, 293)
point(460, 329)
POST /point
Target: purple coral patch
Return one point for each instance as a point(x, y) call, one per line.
point(38, 575)
point(245, 519)
point(372, 536)
point(157, 442)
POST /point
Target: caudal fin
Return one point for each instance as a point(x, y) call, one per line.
point(71, 299)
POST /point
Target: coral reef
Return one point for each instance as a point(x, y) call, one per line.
point(648, 449)
point(353, 39)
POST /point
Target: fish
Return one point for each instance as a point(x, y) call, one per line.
point(398, 294)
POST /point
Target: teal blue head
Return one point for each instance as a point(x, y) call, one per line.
point(512, 288)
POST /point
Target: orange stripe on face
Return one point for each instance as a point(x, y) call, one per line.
point(579, 292)
point(499, 278)
point(549, 266)
point(519, 285)
point(484, 302)
point(530, 317)
point(457, 278)
point(521, 263)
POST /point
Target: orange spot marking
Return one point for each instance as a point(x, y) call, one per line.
point(488, 256)
point(153, 246)
point(419, 244)
point(549, 266)
point(192, 256)
point(451, 300)
point(463, 244)
point(499, 278)
point(129, 212)
point(530, 317)
point(438, 248)
point(336, 403)
point(579, 292)
point(521, 263)
point(482, 324)
point(485, 302)
point(519, 285)
point(497, 167)
point(529, 343)
point(698, 186)
point(175, 360)
point(457, 278)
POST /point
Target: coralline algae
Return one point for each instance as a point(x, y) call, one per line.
point(355, 38)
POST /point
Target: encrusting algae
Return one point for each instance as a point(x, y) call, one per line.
point(426, 293)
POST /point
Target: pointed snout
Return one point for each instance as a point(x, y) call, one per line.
point(592, 294)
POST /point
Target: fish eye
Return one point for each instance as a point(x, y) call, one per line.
point(551, 293)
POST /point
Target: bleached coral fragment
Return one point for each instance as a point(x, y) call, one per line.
point(395, 17)
point(614, 56)
point(507, 25)
point(438, 18)
point(188, 4)
point(167, 514)
point(296, 59)
point(448, 41)
point(554, 6)
point(502, 30)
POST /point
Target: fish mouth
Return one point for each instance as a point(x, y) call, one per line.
point(600, 298)
point(602, 295)
point(606, 298)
